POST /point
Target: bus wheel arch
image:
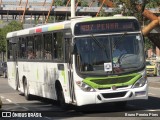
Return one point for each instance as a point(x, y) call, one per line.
point(60, 94)
point(26, 88)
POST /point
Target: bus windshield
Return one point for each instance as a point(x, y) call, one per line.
point(109, 54)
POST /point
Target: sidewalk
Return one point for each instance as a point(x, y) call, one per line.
point(154, 81)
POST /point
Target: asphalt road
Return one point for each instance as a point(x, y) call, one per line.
point(15, 102)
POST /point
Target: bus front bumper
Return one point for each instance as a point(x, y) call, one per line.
point(105, 96)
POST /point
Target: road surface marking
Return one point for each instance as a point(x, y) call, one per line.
point(17, 105)
point(24, 108)
point(9, 100)
point(2, 97)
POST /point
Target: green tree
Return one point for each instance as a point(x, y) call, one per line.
point(58, 3)
point(2, 41)
point(152, 3)
point(12, 26)
point(82, 3)
point(148, 43)
point(128, 8)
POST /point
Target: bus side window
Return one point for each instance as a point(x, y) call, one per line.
point(30, 47)
point(58, 44)
point(54, 45)
point(23, 48)
point(10, 54)
point(48, 46)
point(38, 46)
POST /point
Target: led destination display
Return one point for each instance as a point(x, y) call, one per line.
point(106, 26)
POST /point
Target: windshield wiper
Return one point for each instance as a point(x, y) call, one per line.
point(122, 36)
point(99, 44)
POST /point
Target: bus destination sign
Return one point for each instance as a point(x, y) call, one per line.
point(106, 27)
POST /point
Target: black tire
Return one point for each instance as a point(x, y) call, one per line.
point(26, 92)
point(121, 104)
point(60, 97)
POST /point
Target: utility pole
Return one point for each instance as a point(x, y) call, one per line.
point(73, 8)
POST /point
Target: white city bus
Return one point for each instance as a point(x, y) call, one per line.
point(75, 61)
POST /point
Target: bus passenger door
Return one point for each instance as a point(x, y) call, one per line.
point(68, 60)
point(15, 46)
point(12, 64)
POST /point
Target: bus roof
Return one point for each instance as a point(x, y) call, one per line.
point(38, 29)
point(62, 25)
point(85, 19)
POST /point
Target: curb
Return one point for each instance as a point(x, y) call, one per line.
point(154, 84)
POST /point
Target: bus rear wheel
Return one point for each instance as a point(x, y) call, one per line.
point(26, 92)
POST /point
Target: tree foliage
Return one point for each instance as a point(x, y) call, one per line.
point(128, 8)
point(59, 3)
point(148, 43)
point(12, 26)
point(152, 3)
point(82, 3)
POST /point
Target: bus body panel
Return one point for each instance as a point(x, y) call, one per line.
point(11, 67)
point(84, 98)
point(41, 78)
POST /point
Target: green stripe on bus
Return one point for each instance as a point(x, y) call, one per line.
point(63, 74)
point(107, 82)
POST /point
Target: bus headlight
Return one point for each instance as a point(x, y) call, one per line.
point(85, 87)
point(140, 83)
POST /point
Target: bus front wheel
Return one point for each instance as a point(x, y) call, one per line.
point(26, 92)
point(60, 97)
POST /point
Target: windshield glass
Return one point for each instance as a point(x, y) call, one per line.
point(112, 54)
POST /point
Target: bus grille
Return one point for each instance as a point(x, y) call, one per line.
point(117, 81)
point(116, 87)
point(114, 95)
point(112, 80)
